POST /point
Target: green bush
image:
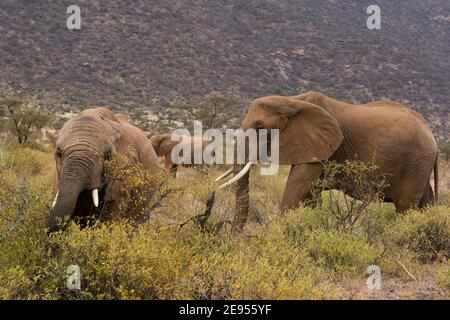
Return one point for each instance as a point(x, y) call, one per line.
point(443, 278)
point(118, 261)
point(343, 253)
point(426, 233)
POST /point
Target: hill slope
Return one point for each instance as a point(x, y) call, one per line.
point(146, 53)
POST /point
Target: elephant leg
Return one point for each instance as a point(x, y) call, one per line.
point(298, 185)
point(408, 196)
point(428, 197)
point(413, 189)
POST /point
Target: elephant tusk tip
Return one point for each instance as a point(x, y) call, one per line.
point(95, 197)
point(54, 201)
point(223, 175)
point(223, 186)
point(238, 176)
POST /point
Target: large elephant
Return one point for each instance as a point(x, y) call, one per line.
point(163, 145)
point(83, 144)
point(314, 128)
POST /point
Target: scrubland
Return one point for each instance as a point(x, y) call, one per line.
point(308, 253)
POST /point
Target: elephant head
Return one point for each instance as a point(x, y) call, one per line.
point(83, 145)
point(307, 134)
point(163, 145)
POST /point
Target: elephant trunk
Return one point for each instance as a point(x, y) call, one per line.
point(242, 177)
point(74, 179)
point(64, 204)
point(242, 199)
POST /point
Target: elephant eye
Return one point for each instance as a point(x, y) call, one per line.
point(58, 153)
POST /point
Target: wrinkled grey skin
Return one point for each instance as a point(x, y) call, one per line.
point(83, 144)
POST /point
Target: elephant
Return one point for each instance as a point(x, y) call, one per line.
point(164, 145)
point(83, 144)
point(314, 128)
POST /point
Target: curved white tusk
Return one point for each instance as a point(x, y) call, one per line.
point(54, 201)
point(238, 176)
point(225, 174)
point(95, 197)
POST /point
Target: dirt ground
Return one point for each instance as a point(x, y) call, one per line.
point(393, 289)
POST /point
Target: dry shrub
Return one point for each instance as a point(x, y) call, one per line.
point(362, 181)
point(140, 193)
point(119, 261)
point(343, 253)
point(426, 233)
point(202, 200)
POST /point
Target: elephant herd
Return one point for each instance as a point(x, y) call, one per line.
point(313, 128)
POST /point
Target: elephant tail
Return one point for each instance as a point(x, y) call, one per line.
point(436, 179)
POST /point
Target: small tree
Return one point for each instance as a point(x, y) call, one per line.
point(364, 181)
point(24, 117)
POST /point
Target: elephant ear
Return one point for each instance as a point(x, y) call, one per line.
point(310, 133)
point(162, 144)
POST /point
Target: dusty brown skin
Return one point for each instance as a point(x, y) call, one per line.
point(314, 128)
point(163, 146)
point(83, 144)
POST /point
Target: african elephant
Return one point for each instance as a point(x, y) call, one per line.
point(314, 128)
point(83, 144)
point(164, 145)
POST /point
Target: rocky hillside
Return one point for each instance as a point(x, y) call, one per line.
point(144, 54)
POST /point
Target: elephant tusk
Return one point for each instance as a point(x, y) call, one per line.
point(95, 197)
point(54, 201)
point(238, 176)
point(224, 175)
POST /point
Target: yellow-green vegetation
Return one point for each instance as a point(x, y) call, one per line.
point(443, 277)
point(309, 253)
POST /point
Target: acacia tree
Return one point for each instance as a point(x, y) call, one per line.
point(24, 117)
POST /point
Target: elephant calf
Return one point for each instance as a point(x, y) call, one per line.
point(164, 145)
point(83, 144)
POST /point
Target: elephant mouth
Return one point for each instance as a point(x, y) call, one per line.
point(89, 206)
